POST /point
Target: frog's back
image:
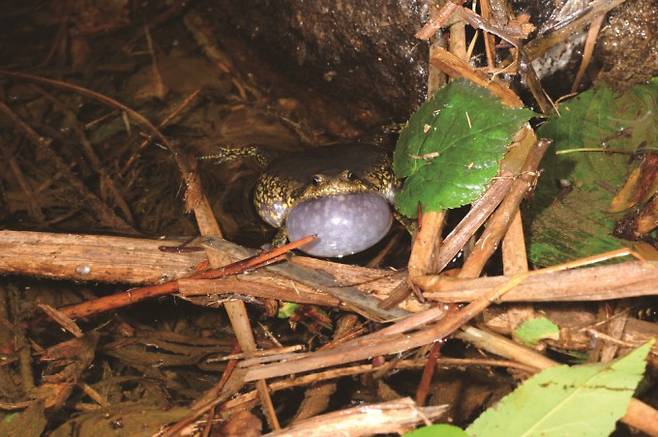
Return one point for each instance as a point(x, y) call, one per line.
point(359, 159)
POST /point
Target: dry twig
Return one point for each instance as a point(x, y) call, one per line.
point(500, 220)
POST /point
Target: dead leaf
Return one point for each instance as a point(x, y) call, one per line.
point(28, 423)
point(640, 185)
point(242, 424)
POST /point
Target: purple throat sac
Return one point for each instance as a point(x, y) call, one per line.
point(345, 224)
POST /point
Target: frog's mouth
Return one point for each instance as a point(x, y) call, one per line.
point(345, 223)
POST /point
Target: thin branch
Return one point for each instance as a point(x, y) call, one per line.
point(500, 220)
point(618, 281)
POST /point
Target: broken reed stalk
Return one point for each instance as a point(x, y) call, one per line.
point(426, 244)
point(610, 282)
point(324, 279)
point(530, 77)
point(489, 40)
point(428, 373)
point(368, 346)
point(639, 414)
point(499, 222)
point(438, 19)
point(605, 351)
point(514, 252)
point(386, 417)
point(455, 67)
point(480, 211)
point(236, 309)
point(590, 42)
point(258, 286)
point(124, 298)
point(482, 208)
point(101, 258)
point(515, 260)
point(341, 372)
point(427, 240)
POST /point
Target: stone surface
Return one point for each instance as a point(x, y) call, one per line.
point(359, 51)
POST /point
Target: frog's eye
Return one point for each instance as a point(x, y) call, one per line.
point(348, 176)
point(317, 179)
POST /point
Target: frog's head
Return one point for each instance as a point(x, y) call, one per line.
point(346, 184)
point(332, 183)
point(275, 196)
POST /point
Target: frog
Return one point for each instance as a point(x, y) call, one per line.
point(341, 193)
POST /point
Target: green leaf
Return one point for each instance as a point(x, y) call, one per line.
point(552, 402)
point(573, 224)
point(532, 331)
point(451, 147)
point(438, 430)
point(286, 310)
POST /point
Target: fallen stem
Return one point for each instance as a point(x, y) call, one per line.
point(125, 298)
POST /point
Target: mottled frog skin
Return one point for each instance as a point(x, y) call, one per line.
point(322, 172)
point(340, 193)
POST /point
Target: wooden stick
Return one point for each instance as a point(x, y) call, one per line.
point(286, 383)
point(426, 244)
point(485, 205)
point(365, 347)
point(590, 42)
point(428, 373)
point(515, 259)
point(98, 258)
point(500, 220)
point(438, 19)
point(427, 240)
point(256, 285)
point(122, 299)
point(236, 309)
point(618, 281)
point(138, 261)
point(489, 39)
point(642, 416)
point(393, 416)
point(453, 66)
point(141, 261)
point(368, 346)
point(478, 214)
point(504, 347)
